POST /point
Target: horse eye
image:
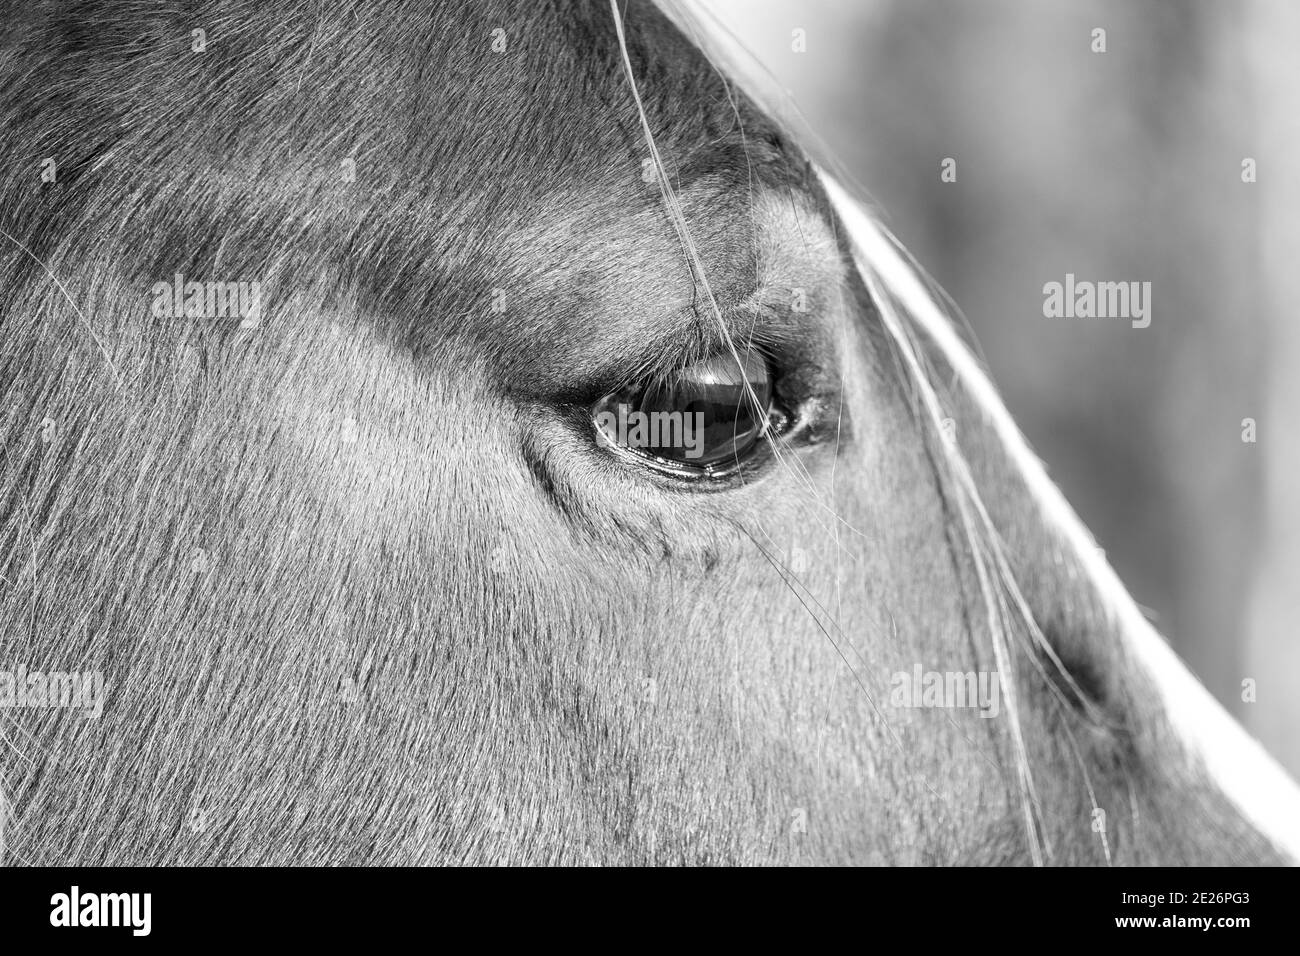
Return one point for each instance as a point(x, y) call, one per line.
point(701, 420)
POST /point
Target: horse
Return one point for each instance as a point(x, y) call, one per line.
point(310, 312)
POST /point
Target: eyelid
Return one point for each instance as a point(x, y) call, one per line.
point(654, 361)
point(724, 369)
point(719, 368)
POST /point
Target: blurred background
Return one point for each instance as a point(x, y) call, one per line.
point(1123, 165)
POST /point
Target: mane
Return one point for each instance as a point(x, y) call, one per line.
point(915, 311)
point(1233, 759)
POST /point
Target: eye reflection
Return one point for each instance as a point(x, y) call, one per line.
point(702, 417)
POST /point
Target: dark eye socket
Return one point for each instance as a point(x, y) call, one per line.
point(701, 421)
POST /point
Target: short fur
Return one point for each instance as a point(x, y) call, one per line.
point(362, 585)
